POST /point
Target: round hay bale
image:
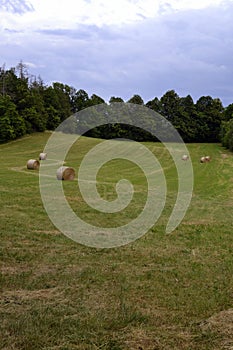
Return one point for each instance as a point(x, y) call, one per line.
point(43, 156)
point(202, 160)
point(65, 173)
point(185, 157)
point(207, 158)
point(33, 164)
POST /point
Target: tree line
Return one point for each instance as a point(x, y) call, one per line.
point(27, 105)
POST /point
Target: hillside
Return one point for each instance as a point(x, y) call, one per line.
point(161, 291)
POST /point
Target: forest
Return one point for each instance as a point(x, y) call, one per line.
point(27, 105)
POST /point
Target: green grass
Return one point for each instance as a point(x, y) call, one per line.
point(153, 294)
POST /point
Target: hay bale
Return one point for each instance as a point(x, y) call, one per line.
point(42, 156)
point(65, 173)
point(202, 160)
point(33, 164)
point(185, 157)
point(205, 159)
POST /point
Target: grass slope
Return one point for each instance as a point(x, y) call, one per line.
point(160, 292)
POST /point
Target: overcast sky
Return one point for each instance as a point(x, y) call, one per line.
point(123, 47)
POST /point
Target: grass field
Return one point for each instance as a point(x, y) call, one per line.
point(161, 292)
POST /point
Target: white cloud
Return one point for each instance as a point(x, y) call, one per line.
point(187, 50)
point(192, 4)
point(69, 13)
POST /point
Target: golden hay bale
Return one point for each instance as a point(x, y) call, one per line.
point(185, 157)
point(43, 156)
point(205, 159)
point(33, 164)
point(65, 173)
point(202, 160)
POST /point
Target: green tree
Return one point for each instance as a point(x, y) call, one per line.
point(227, 134)
point(11, 123)
point(188, 115)
point(6, 129)
point(95, 100)
point(170, 103)
point(51, 103)
point(9, 82)
point(176, 111)
point(136, 99)
point(53, 119)
point(63, 98)
point(154, 104)
point(115, 99)
point(80, 100)
point(210, 112)
point(2, 80)
point(37, 102)
point(228, 112)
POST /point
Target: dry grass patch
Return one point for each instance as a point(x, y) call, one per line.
point(199, 222)
point(138, 338)
point(224, 155)
point(11, 270)
point(222, 325)
point(19, 302)
point(48, 232)
point(23, 295)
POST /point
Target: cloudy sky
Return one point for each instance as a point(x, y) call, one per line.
point(123, 47)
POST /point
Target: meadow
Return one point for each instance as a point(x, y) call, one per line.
point(160, 292)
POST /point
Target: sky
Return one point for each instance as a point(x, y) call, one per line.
point(123, 47)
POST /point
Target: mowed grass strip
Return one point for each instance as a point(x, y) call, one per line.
point(160, 292)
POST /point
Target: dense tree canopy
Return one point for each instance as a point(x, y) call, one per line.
point(28, 105)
